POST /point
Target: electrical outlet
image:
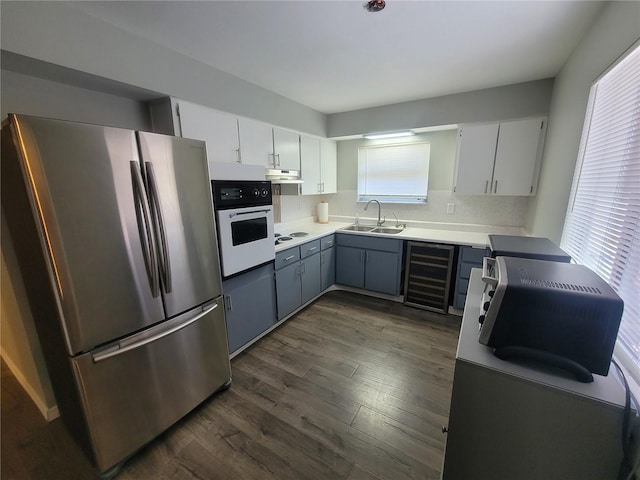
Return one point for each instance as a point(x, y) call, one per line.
point(451, 208)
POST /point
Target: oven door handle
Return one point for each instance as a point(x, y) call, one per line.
point(266, 210)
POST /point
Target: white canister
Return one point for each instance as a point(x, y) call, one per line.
point(323, 212)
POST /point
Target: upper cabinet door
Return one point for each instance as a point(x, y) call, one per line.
point(256, 142)
point(328, 166)
point(517, 157)
point(475, 158)
point(218, 129)
point(310, 164)
point(286, 147)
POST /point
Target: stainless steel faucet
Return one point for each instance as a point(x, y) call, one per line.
point(380, 222)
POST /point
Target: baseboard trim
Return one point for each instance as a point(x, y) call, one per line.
point(49, 413)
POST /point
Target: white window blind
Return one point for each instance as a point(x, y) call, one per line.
point(394, 173)
point(602, 226)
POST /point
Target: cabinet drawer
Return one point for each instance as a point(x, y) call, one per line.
point(287, 257)
point(309, 248)
point(327, 242)
point(473, 255)
point(370, 243)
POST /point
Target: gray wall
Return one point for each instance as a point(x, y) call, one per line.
point(55, 33)
point(43, 98)
point(500, 103)
point(612, 34)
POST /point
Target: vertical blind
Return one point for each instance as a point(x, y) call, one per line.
point(398, 172)
point(602, 226)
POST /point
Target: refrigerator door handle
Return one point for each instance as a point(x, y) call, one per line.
point(165, 265)
point(123, 347)
point(143, 215)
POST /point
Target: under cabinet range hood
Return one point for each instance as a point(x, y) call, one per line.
point(283, 176)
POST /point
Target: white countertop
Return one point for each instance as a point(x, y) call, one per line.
point(317, 230)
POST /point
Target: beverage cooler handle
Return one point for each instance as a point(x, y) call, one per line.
point(165, 264)
point(143, 215)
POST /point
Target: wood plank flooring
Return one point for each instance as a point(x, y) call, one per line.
point(352, 387)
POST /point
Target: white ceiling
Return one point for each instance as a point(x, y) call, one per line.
point(334, 56)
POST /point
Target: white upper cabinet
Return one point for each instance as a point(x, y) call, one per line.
point(310, 164)
point(218, 129)
point(499, 158)
point(318, 158)
point(475, 157)
point(329, 166)
point(286, 149)
point(518, 156)
point(243, 140)
point(256, 142)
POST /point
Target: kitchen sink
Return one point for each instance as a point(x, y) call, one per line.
point(359, 228)
point(387, 230)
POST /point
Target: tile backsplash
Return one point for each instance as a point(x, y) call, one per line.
point(471, 210)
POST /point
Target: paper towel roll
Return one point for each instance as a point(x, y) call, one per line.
point(323, 212)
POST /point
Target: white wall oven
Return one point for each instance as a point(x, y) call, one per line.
point(244, 214)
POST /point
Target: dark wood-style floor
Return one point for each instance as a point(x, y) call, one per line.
point(352, 387)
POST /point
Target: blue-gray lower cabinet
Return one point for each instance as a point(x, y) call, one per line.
point(250, 305)
point(310, 279)
point(288, 289)
point(350, 266)
point(370, 263)
point(327, 268)
point(468, 258)
point(298, 278)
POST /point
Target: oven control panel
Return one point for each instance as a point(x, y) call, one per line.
point(240, 193)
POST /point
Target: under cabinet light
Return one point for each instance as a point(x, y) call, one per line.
point(402, 133)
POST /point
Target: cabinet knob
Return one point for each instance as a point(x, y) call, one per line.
point(445, 429)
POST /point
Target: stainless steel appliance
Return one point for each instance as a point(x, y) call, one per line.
point(557, 313)
point(114, 234)
point(244, 213)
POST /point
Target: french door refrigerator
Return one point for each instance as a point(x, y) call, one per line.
point(114, 232)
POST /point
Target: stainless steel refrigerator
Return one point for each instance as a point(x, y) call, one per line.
point(115, 237)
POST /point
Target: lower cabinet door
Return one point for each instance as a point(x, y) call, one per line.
point(327, 268)
point(311, 285)
point(288, 291)
point(382, 272)
point(350, 266)
point(250, 305)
